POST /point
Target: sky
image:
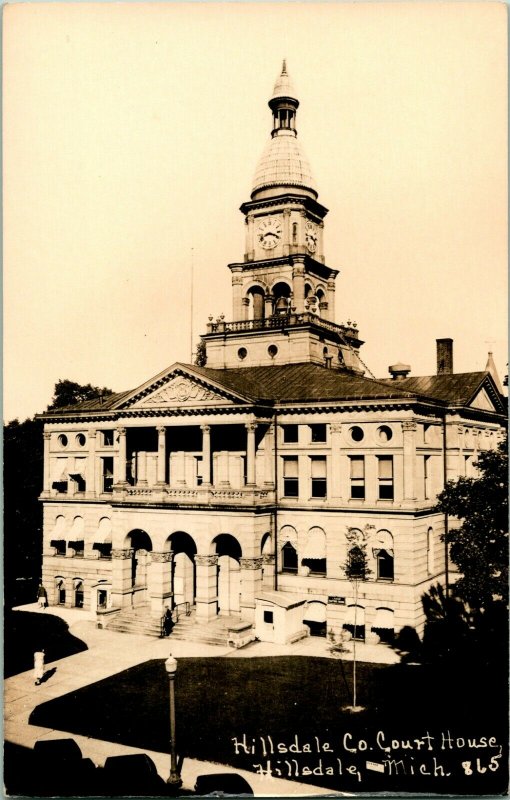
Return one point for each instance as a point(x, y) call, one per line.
point(131, 134)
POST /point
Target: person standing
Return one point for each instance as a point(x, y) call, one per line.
point(41, 596)
point(38, 666)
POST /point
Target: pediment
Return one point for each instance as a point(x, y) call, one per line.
point(179, 389)
point(482, 400)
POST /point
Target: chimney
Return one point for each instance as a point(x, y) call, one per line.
point(444, 356)
point(399, 371)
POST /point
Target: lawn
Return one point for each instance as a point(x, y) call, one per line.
point(232, 710)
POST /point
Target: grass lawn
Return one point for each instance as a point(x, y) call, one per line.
point(271, 700)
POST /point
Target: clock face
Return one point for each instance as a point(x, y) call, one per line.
point(311, 237)
point(269, 233)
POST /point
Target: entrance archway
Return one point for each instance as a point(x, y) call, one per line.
point(183, 568)
point(140, 543)
point(228, 574)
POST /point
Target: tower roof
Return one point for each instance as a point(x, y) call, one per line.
point(283, 163)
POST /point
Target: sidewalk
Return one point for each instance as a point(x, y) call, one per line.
point(110, 652)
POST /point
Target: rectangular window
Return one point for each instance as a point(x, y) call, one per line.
point(290, 477)
point(78, 548)
point(107, 438)
point(467, 466)
point(290, 434)
point(385, 477)
point(107, 474)
point(426, 477)
point(318, 432)
point(268, 617)
point(318, 470)
point(60, 546)
point(199, 470)
point(357, 477)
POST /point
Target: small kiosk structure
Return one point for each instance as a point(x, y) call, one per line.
point(279, 618)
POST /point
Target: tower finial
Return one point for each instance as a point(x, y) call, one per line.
point(284, 67)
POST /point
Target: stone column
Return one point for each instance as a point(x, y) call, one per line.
point(268, 562)
point(269, 456)
point(251, 585)
point(206, 455)
point(237, 291)
point(222, 479)
point(244, 306)
point(251, 427)
point(161, 462)
point(268, 305)
point(207, 590)
point(121, 578)
point(298, 287)
point(141, 472)
point(409, 435)
point(250, 247)
point(90, 478)
point(47, 471)
point(331, 300)
point(120, 461)
point(335, 488)
point(180, 461)
point(159, 582)
point(461, 469)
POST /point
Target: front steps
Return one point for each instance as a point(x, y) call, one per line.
point(215, 631)
point(139, 621)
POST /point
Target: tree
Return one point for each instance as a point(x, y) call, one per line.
point(201, 354)
point(479, 546)
point(356, 569)
point(68, 393)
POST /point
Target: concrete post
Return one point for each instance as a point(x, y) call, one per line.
point(90, 479)
point(207, 590)
point(251, 584)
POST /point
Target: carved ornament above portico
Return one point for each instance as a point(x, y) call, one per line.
point(180, 391)
point(161, 558)
point(250, 563)
point(122, 554)
point(206, 561)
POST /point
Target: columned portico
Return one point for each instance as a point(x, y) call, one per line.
point(207, 594)
point(251, 584)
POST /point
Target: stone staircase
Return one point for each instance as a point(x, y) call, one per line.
point(137, 621)
point(215, 631)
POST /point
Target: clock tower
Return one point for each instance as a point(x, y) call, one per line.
point(283, 292)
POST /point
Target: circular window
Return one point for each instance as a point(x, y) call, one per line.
point(272, 350)
point(384, 433)
point(62, 440)
point(80, 440)
point(242, 353)
point(357, 434)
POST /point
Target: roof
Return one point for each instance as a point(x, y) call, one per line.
point(307, 383)
point(283, 86)
point(283, 163)
point(455, 389)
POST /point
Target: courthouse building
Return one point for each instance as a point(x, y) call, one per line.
point(237, 488)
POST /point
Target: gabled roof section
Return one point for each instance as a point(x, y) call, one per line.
point(460, 389)
point(106, 403)
point(181, 385)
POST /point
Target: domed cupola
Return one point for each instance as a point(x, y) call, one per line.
point(283, 164)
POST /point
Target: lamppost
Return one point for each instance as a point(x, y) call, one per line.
point(174, 778)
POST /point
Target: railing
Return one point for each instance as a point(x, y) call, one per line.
point(187, 610)
point(201, 494)
point(285, 321)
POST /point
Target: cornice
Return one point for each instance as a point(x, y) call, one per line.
point(285, 199)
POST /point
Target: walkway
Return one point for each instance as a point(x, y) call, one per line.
point(109, 653)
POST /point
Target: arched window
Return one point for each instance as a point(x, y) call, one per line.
point(294, 232)
point(78, 593)
point(314, 552)
point(382, 549)
point(60, 591)
point(289, 558)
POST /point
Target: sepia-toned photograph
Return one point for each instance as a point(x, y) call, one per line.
point(255, 399)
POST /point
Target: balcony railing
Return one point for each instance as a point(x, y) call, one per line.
point(279, 321)
point(208, 495)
